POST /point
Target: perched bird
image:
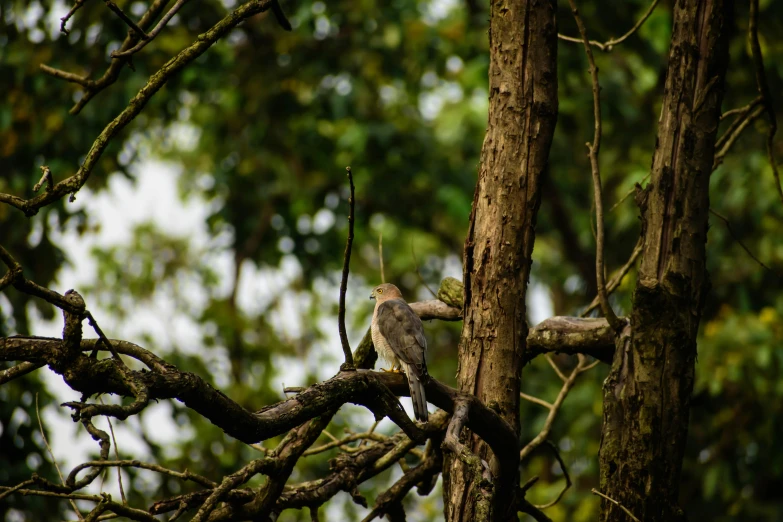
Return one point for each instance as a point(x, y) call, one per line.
point(398, 336)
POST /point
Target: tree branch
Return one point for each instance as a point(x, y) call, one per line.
point(763, 87)
point(594, 148)
point(348, 364)
point(609, 44)
point(151, 36)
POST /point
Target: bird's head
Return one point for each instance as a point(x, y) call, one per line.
point(385, 292)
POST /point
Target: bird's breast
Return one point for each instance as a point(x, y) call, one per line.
point(382, 347)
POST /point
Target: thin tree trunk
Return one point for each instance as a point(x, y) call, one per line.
point(522, 118)
point(647, 394)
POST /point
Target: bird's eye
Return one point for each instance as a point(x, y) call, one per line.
point(380, 291)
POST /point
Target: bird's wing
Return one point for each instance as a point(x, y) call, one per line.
point(404, 333)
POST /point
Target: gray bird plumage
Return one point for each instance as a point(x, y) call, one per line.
point(398, 336)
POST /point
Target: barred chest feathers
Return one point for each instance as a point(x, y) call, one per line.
point(381, 346)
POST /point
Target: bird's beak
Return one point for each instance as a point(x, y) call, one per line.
point(372, 296)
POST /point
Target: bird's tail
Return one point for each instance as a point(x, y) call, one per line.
point(417, 394)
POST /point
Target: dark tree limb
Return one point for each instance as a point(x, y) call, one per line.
point(572, 335)
point(377, 391)
point(348, 364)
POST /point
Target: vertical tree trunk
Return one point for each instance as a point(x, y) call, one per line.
point(647, 393)
point(522, 118)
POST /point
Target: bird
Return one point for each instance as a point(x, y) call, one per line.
point(398, 336)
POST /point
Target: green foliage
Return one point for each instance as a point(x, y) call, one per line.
point(262, 127)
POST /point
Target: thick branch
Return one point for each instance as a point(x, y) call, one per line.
point(572, 335)
point(90, 376)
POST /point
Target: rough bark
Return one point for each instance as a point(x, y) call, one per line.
point(499, 243)
point(647, 393)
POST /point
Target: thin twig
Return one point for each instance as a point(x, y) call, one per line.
point(344, 281)
point(421, 279)
point(64, 20)
point(51, 454)
point(380, 255)
point(763, 87)
point(568, 483)
point(554, 408)
point(342, 442)
point(741, 110)
point(125, 18)
point(730, 136)
point(742, 114)
point(609, 44)
point(152, 34)
point(10, 491)
point(594, 149)
point(46, 177)
point(556, 368)
point(629, 193)
point(737, 239)
point(617, 278)
point(613, 501)
point(117, 456)
point(535, 400)
point(184, 475)
point(102, 336)
point(67, 76)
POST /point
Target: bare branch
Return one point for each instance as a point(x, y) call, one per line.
point(64, 20)
point(380, 255)
point(54, 460)
point(17, 371)
point(609, 44)
point(763, 87)
point(125, 18)
point(563, 467)
point(393, 496)
point(348, 364)
point(594, 148)
point(737, 239)
point(374, 390)
point(46, 177)
point(555, 367)
point(613, 501)
point(555, 408)
point(184, 475)
point(67, 76)
point(163, 21)
point(725, 142)
point(571, 335)
point(617, 278)
point(629, 193)
point(741, 110)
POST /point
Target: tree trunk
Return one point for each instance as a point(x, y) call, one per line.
point(522, 118)
point(647, 393)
